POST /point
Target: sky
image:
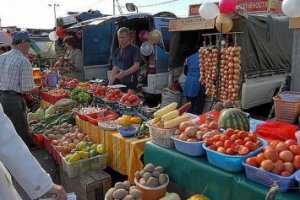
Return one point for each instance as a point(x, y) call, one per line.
point(38, 14)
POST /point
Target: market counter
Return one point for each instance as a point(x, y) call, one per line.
point(197, 175)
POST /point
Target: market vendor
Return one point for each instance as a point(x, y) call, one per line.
point(193, 89)
point(73, 65)
point(125, 61)
point(16, 80)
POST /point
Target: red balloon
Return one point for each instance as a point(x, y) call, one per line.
point(227, 6)
point(60, 32)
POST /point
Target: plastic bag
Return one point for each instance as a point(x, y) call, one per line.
point(213, 115)
point(274, 130)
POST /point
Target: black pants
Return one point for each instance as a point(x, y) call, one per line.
point(15, 108)
point(197, 103)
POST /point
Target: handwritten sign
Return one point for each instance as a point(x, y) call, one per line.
point(190, 24)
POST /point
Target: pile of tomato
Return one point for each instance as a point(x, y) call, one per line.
point(58, 93)
point(130, 99)
point(233, 142)
point(69, 83)
point(100, 91)
point(113, 95)
point(282, 158)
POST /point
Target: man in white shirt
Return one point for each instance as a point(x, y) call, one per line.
point(16, 157)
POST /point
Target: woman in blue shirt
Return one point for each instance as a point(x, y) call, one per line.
point(193, 89)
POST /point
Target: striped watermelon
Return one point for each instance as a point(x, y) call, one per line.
point(234, 118)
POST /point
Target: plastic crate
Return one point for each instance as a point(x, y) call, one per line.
point(51, 99)
point(189, 148)
point(231, 163)
point(268, 179)
point(77, 168)
point(47, 144)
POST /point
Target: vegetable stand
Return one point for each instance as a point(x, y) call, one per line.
point(196, 174)
point(123, 153)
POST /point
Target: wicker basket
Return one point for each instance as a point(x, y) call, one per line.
point(162, 137)
point(287, 110)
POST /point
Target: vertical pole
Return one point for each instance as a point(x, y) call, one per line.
point(114, 7)
point(54, 9)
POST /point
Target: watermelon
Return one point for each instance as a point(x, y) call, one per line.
point(234, 118)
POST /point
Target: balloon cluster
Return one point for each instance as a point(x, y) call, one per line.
point(210, 10)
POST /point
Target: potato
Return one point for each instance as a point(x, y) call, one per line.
point(120, 185)
point(126, 184)
point(162, 179)
point(152, 182)
point(128, 197)
point(159, 168)
point(147, 175)
point(191, 131)
point(142, 181)
point(142, 173)
point(137, 175)
point(109, 194)
point(155, 174)
point(135, 193)
point(119, 193)
point(149, 168)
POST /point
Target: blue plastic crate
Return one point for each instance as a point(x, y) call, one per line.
point(189, 148)
point(230, 163)
point(267, 178)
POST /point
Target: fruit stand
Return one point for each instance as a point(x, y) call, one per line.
point(195, 174)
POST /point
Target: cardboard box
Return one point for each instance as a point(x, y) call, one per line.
point(89, 186)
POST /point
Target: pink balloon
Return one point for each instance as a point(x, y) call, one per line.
point(227, 6)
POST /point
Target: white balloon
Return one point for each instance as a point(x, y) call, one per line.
point(53, 36)
point(291, 8)
point(147, 49)
point(209, 10)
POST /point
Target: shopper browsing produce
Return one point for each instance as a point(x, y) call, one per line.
point(126, 61)
point(16, 80)
point(23, 166)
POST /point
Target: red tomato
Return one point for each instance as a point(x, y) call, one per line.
point(219, 144)
point(250, 145)
point(278, 167)
point(295, 149)
point(239, 141)
point(229, 132)
point(209, 141)
point(229, 151)
point(234, 137)
point(246, 139)
point(221, 149)
point(297, 162)
point(216, 137)
point(227, 143)
point(252, 161)
point(243, 150)
point(252, 136)
point(288, 166)
point(290, 142)
point(236, 148)
point(223, 137)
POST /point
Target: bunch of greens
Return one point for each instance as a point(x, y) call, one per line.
point(81, 96)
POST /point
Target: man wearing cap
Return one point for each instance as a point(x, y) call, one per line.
point(16, 80)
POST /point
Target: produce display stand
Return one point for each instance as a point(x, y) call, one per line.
point(194, 174)
point(123, 154)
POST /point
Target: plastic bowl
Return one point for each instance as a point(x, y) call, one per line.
point(128, 131)
point(268, 179)
point(231, 163)
point(149, 193)
point(189, 148)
